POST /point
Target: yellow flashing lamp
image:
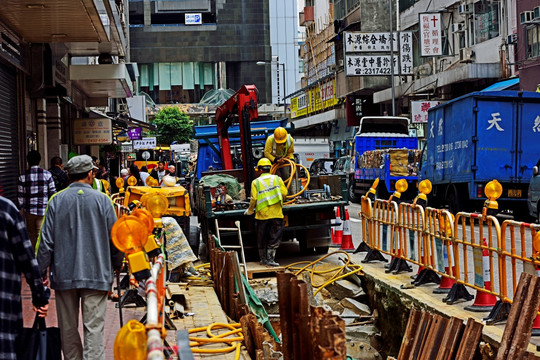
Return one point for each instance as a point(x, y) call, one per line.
point(130, 234)
point(157, 204)
point(447, 227)
point(130, 342)
point(401, 185)
point(424, 188)
point(150, 181)
point(120, 184)
point(536, 243)
point(493, 191)
point(152, 247)
point(132, 180)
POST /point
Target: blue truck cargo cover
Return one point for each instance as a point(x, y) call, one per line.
point(483, 136)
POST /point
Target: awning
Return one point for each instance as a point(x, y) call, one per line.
point(102, 81)
point(510, 84)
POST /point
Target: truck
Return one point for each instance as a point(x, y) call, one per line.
point(479, 137)
point(308, 220)
point(384, 149)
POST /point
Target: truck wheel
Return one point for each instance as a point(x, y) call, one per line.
point(302, 244)
point(322, 250)
point(352, 196)
point(453, 200)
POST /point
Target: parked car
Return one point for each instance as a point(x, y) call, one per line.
point(345, 166)
point(533, 197)
point(322, 166)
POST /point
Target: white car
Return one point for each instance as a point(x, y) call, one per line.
point(533, 198)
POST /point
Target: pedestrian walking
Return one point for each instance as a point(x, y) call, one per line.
point(17, 256)
point(76, 250)
point(267, 193)
point(60, 177)
point(35, 187)
point(144, 174)
point(159, 172)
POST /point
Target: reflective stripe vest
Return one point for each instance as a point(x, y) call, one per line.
point(268, 191)
point(287, 146)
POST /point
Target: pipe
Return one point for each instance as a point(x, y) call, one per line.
point(154, 342)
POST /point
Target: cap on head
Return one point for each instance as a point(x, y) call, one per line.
point(280, 135)
point(80, 164)
point(264, 162)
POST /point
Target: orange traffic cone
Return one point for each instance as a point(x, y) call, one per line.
point(483, 300)
point(347, 243)
point(446, 282)
point(338, 232)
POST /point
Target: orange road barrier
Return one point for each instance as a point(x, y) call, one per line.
point(366, 217)
point(513, 254)
point(382, 232)
point(484, 301)
point(347, 243)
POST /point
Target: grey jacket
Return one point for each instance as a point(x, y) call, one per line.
point(75, 240)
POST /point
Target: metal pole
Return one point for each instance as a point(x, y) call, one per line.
point(392, 59)
point(284, 92)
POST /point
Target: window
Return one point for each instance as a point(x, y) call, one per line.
point(533, 41)
point(486, 20)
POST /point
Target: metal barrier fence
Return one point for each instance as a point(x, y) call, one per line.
point(471, 252)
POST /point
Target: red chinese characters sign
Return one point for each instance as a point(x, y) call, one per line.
point(430, 34)
point(419, 110)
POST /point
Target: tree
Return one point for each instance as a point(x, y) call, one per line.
point(172, 125)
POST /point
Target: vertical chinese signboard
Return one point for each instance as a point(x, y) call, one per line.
point(357, 64)
point(430, 34)
point(419, 110)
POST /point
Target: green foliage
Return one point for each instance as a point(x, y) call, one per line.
point(172, 125)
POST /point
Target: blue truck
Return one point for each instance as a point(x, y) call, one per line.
point(384, 149)
point(479, 137)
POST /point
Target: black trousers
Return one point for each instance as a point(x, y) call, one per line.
point(269, 233)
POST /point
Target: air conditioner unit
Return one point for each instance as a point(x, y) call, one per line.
point(466, 54)
point(512, 39)
point(340, 62)
point(536, 12)
point(464, 9)
point(458, 27)
point(526, 17)
point(333, 68)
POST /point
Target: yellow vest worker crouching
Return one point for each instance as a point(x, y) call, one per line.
point(267, 192)
point(278, 147)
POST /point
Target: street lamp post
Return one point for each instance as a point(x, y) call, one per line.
point(278, 64)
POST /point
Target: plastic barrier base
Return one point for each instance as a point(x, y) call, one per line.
point(363, 247)
point(374, 255)
point(426, 276)
point(397, 266)
point(131, 296)
point(457, 292)
point(499, 313)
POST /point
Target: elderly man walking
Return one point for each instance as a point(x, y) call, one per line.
point(75, 248)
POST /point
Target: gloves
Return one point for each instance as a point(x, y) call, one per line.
point(248, 212)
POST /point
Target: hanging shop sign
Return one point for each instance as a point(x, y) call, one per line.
point(135, 133)
point(92, 131)
point(145, 143)
point(419, 110)
point(356, 41)
point(430, 34)
point(381, 65)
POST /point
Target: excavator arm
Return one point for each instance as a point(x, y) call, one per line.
point(243, 104)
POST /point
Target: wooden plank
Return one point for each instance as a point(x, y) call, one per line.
point(425, 337)
point(470, 339)
point(248, 336)
point(451, 339)
point(425, 320)
point(528, 312)
point(410, 331)
point(435, 335)
point(513, 317)
point(285, 314)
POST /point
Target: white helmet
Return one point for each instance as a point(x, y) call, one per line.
point(169, 180)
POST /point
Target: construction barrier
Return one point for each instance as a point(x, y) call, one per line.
point(472, 252)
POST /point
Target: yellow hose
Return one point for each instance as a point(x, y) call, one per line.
point(289, 180)
point(336, 276)
point(235, 342)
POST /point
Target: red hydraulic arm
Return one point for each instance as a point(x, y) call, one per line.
point(244, 104)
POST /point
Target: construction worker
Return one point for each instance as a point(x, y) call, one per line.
point(279, 147)
point(267, 193)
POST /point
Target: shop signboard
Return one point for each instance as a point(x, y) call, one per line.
point(92, 131)
point(430, 34)
point(356, 41)
point(145, 143)
point(419, 110)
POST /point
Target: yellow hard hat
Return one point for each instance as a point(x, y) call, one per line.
point(264, 162)
point(280, 135)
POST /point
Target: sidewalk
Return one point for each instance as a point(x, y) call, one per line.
point(201, 300)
